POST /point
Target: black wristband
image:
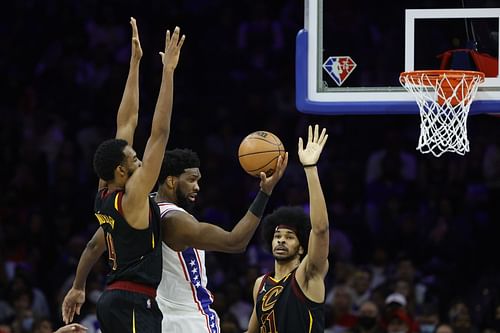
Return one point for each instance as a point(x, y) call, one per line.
point(308, 165)
point(259, 204)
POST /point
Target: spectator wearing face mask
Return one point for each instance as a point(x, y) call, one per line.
point(427, 318)
point(368, 319)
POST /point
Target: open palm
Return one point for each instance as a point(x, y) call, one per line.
point(315, 142)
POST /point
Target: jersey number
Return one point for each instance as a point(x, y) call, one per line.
point(268, 323)
point(111, 251)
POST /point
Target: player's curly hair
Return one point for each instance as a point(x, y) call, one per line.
point(107, 157)
point(176, 161)
point(291, 216)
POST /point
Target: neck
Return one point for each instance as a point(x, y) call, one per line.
point(115, 187)
point(283, 268)
point(163, 196)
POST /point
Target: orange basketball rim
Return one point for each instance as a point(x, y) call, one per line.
point(443, 98)
point(450, 86)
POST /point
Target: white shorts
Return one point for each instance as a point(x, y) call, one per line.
point(178, 319)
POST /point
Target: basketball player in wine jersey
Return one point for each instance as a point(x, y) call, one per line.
point(129, 220)
point(291, 298)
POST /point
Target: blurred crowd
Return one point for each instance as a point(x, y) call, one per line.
point(413, 237)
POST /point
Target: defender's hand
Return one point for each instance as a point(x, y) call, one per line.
point(315, 144)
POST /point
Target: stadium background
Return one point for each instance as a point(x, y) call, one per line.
point(63, 67)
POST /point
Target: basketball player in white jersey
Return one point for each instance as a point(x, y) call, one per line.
point(182, 295)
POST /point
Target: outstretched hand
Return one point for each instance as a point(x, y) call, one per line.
point(315, 142)
point(267, 184)
point(173, 45)
point(72, 304)
point(136, 44)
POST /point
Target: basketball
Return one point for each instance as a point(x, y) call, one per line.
point(259, 152)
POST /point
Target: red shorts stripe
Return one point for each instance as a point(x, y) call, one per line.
point(134, 287)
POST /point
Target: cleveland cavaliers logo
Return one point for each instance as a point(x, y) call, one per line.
point(270, 298)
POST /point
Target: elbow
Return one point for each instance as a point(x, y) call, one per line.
point(235, 248)
point(321, 229)
point(161, 131)
point(165, 129)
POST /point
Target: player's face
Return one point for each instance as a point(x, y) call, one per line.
point(132, 162)
point(188, 188)
point(285, 245)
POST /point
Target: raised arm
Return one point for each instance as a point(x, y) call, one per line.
point(128, 111)
point(142, 181)
point(313, 268)
point(75, 297)
point(181, 230)
point(126, 119)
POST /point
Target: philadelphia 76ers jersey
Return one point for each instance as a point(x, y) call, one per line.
point(182, 295)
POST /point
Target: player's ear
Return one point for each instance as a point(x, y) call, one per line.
point(121, 170)
point(301, 250)
point(170, 182)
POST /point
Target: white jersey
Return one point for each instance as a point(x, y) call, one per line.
point(182, 295)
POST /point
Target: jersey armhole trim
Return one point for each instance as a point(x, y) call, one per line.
point(118, 202)
point(299, 293)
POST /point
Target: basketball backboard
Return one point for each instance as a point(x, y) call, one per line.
point(350, 54)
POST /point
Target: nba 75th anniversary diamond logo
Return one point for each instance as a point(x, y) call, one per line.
point(339, 68)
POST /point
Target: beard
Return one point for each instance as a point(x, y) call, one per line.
point(183, 202)
point(284, 258)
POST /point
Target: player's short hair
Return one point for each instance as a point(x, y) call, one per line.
point(176, 161)
point(291, 216)
point(107, 157)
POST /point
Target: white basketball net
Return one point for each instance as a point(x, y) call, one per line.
point(444, 99)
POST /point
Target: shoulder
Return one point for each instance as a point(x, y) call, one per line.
point(178, 222)
point(172, 214)
point(258, 285)
point(167, 208)
point(260, 281)
point(101, 193)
